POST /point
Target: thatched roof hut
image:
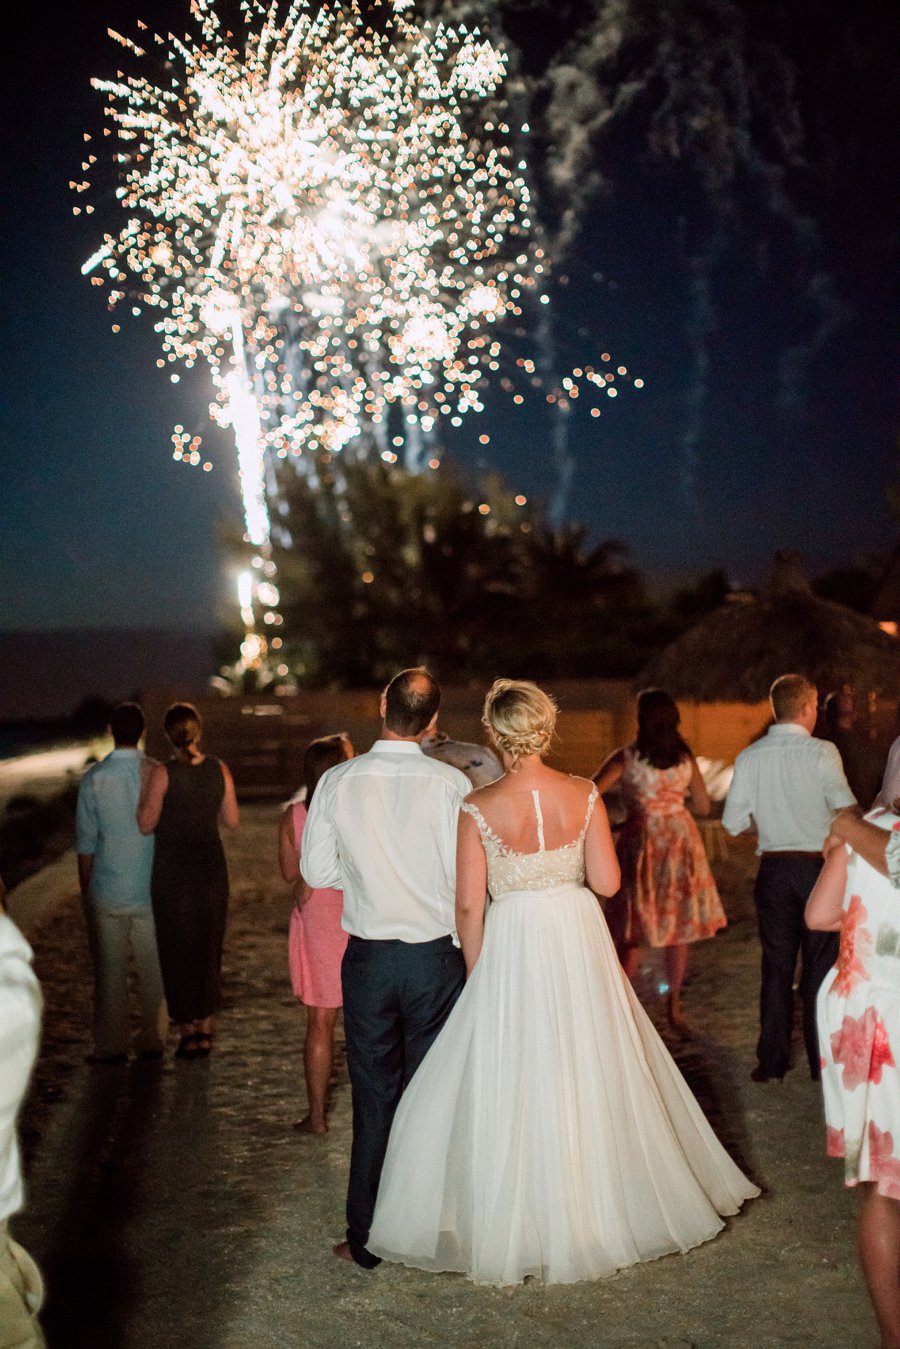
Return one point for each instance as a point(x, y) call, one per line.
point(734, 653)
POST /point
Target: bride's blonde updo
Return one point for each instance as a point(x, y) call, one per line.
point(519, 717)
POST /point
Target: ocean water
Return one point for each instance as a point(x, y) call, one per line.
point(21, 737)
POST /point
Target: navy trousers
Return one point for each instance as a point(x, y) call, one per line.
point(783, 886)
point(397, 996)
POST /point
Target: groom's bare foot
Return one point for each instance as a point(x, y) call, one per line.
point(307, 1125)
point(342, 1251)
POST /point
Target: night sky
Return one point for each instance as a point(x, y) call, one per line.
point(714, 187)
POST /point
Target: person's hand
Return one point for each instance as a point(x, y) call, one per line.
point(300, 892)
point(840, 817)
point(832, 841)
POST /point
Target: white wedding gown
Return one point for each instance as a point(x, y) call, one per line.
point(548, 1132)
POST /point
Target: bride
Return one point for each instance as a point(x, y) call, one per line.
point(547, 1132)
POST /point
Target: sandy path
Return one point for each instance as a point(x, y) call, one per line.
point(173, 1207)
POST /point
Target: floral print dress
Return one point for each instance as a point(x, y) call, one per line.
point(859, 1027)
point(667, 886)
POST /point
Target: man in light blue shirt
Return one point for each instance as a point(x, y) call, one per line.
point(114, 864)
point(789, 784)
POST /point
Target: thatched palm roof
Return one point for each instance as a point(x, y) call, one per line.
point(734, 653)
point(885, 606)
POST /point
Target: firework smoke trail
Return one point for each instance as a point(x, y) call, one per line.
point(323, 219)
point(726, 109)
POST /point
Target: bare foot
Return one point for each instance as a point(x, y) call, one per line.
point(675, 1017)
point(342, 1251)
point(307, 1125)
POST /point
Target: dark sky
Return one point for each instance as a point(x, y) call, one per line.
point(724, 230)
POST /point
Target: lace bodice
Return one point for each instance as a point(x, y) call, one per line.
point(542, 870)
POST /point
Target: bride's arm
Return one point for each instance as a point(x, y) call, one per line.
point(600, 862)
point(471, 889)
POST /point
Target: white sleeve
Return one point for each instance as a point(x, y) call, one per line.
point(890, 783)
point(834, 781)
point(737, 814)
point(320, 858)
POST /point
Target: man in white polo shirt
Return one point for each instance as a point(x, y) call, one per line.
point(382, 828)
point(788, 784)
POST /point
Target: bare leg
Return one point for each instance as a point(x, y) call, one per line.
point(878, 1238)
point(630, 957)
point(676, 964)
point(204, 1030)
point(318, 1055)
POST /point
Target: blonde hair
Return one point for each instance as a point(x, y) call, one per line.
point(789, 695)
point(519, 717)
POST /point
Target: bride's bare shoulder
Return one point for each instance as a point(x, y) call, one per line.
point(485, 793)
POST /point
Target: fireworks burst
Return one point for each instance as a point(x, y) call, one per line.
point(332, 218)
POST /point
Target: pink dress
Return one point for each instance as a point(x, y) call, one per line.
point(316, 940)
point(667, 885)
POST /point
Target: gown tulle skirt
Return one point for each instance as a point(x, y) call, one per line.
point(547, 1132)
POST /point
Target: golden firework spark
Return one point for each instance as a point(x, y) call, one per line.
point(326, 215)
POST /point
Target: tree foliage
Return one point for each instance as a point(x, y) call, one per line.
point(380, 568)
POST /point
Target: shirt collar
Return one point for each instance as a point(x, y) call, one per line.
point(123, 750)
point(788, 728)
point(396, 747)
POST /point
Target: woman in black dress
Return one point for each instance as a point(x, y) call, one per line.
point(184, 802)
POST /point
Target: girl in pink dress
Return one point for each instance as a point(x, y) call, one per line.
point(668, 897)
point(316, 940)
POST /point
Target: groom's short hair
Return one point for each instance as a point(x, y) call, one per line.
point(411, 701)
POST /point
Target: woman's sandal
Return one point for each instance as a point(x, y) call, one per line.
point(202, 1044)
point(187, 1047)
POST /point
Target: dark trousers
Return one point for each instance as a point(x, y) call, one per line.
point(397, 996)
point(783, 886)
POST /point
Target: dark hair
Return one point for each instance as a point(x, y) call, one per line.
point(126, 721)
point(321, 755)
point(412, 699)
point(658, 740)
point(182, 725)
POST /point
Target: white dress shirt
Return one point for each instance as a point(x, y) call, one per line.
point(382, 828)
point(789, 783)
point(20, 1026)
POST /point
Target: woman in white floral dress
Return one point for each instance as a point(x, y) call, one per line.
point(859, 1039)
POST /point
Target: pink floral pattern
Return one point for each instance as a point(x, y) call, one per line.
point(862, 1047)
point(859, 1026)
point(856, 946)
point(834, 1141)
point(885, 1167)
point(667, 885)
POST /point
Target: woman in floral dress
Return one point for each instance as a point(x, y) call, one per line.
point(668, 897)
point(859, 1038)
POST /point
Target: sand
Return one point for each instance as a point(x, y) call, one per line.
point(172, 1206)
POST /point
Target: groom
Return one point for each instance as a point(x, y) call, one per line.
point(382, 828)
